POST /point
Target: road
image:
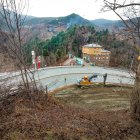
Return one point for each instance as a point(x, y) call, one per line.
point(55, 77)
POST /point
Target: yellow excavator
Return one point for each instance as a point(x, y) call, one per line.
point(86, 81)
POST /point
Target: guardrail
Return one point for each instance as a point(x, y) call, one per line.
point(56, 76)
point(99, 74)
point(17, 73)
point(57, 81)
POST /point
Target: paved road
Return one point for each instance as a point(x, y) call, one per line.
point(54, 77)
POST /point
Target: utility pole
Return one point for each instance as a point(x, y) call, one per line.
point(33, 59)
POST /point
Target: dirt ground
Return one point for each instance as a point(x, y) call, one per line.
point(70, 114)
point(93, 98)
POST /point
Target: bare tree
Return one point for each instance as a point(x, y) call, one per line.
point(129, 12)
point(11, 13)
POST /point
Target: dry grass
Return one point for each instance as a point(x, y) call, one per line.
point(115, 98)
point(41, 117)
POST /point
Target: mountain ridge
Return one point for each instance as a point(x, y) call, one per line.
point(69, 19)
point(46, 27)
point(103, 21)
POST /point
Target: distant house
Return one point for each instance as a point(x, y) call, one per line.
point(95, 54)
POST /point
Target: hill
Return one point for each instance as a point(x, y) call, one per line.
point(57, 48)
point(71, 19)
point(102, 22)
point(85, 114)
point(46, 27)
point(107, 23)
point(111, 25)
point(10, 17)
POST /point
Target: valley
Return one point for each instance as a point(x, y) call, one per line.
point(68, 72)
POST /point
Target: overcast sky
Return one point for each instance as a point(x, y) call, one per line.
point(88, 9)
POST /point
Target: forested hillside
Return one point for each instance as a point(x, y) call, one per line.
point(57, 48)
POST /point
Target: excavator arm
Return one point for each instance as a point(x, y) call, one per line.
point(93, 76)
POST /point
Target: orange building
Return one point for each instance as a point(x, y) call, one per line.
point(96, 54)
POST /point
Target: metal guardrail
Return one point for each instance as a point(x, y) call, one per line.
point(57, 83)
point(99, 74)
point(84, 73)
point(17, 73)
point(59, 80)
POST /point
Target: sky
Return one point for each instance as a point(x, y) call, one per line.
point(89, 9)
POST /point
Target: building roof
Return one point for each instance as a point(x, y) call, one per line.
point(105, 51)
point(92, 46)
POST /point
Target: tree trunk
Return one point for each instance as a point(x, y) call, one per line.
point(135, 97)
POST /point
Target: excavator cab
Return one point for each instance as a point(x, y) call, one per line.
point(86, 81)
